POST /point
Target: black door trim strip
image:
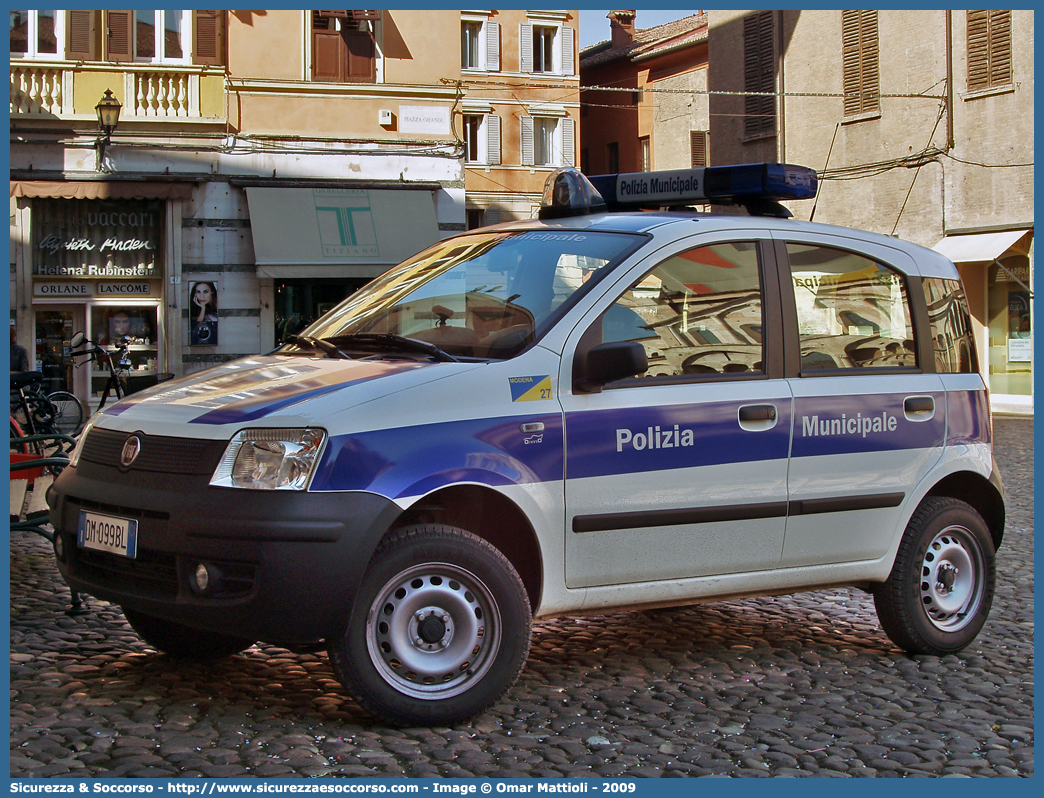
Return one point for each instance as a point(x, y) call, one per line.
point(737, 512)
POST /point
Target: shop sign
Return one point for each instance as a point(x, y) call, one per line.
point(97, 238)
point(107, 289)
point(431, 119)
point(62, 289)
point(1020, 350)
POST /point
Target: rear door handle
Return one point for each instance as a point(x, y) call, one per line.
point(919, 404)
point(757, 413)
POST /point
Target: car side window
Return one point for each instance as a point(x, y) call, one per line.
point(697, 313)
point(853, 312)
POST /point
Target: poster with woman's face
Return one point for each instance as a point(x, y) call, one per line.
point(203, 316)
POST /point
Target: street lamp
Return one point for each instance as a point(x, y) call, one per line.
point(108, 109)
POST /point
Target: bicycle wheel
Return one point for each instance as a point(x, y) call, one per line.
point(68, 412)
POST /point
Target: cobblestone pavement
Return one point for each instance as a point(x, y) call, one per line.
point(804, 685)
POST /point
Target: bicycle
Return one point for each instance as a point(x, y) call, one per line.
point(105, 357)
point(37, 413)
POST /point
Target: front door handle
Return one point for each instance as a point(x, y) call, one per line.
point(757, 413)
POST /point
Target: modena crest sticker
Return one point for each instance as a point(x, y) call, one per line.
point(530, 389)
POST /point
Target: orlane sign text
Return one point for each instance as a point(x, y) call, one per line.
point(97, 238)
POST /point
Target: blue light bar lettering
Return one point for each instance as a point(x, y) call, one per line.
point(680, 185)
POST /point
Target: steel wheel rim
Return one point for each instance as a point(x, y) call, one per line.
point(951, 580)
point(433, 630)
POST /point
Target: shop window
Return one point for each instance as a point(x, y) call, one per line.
point(699, 313)
point(343, 46)
point(1010, 327)
point(36, 34)
point(113, 324)
point(300, 302)
point(853, 313)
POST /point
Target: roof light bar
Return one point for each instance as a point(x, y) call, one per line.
point(757, 186)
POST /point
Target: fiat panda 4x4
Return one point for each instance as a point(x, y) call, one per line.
point(600, 409)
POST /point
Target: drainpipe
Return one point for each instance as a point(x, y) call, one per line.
point(949, 80)
point(781, 113)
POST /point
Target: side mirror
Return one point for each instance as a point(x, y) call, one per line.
point(77, 339)
point(607, 363)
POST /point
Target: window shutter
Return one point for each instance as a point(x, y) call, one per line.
point(208, 37)
point(493, 46)
point(361, 57)
point(759, 74)
point(567, 50)
point(860, 57)
point(81, 33)
point(326, 55)
point(492, 139)
point(119, 40)
point(1000, 48)
point(697, 148)
point(527, 141)
point(989, 49)
point(525, 48)
point(492, 216)
point(568, 142)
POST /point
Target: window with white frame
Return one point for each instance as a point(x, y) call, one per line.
point(481, 138)
point(159, 36)
point(473, 143)
point(546, 48)
point(479, 44)
point(37, 34)
point(547, 141)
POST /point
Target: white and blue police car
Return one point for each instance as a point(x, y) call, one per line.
point(626, 403)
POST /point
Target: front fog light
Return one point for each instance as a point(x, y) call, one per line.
point(200, 578)
point(270, 459)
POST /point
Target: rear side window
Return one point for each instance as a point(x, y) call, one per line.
point(952, 338)
point(697, 313)
point(853, 312)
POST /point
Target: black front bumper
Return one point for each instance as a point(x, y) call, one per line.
point(289, 561)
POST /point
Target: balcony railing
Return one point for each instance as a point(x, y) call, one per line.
point(36, 90)
point(148, 91)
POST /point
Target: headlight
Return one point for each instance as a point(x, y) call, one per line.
point(74, 455)
point(270, 459)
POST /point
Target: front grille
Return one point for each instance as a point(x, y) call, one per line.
point(158, 453)
point(152, 571)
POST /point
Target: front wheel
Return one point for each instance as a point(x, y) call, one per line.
point(68, 412)
point(184, 642)
point(941, 587)
point(440, 629)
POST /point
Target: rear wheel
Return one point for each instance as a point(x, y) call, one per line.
point(184, 641)
point(941, 587)
point(440, 628)
point(68, 412)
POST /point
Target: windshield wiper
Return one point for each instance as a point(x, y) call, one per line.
point(317, 343)
point(401, 343)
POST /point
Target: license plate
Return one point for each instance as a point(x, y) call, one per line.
point(106, 533)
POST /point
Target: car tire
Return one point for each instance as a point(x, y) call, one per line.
point(440, 629)
point(940, 590)
point(184, 642)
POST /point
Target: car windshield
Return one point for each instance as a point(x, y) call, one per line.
point(486, 296)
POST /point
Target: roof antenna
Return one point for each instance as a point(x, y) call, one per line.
point(812, 215)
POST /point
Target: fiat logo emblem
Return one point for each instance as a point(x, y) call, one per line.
point(131, 448)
